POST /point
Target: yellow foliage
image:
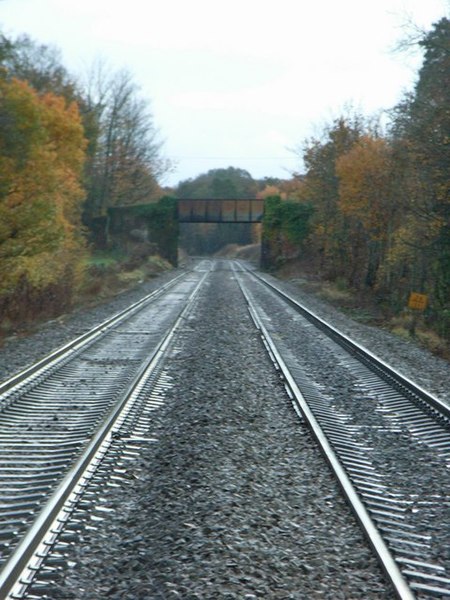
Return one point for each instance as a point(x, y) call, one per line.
point(268, 191)
point(364, 184)
point(41, 166)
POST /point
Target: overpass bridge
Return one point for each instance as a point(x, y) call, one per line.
point(209, 210)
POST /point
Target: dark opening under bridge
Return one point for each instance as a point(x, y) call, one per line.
point(158, 223)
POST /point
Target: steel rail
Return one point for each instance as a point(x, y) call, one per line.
point(26, 549)
point(80, 341)
point(382, 551)
point(394, 377)
point(58, 404)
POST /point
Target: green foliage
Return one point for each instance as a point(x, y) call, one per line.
point(100, 259)
point(40, 65)
point(291, 219)
point(161, 221)
point(220, 184)
point(6, 49)
point(420, 138)
point(162, 225)
point(286, 226)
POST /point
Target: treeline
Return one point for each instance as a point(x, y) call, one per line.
point(380, 201)
point(69, 150)
point(371, 211)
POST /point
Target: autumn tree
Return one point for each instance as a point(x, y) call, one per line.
point(123, 162)
point(41, 66)
point(381, 218)
point(421, 134)
point(41, 163)
point(366, 202)
point(320, 186)
point(59, 138)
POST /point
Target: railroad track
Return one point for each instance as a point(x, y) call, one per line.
point(60, 416)
point(402, 526)
point(70, 460)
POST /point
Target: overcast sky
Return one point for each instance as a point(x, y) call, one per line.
point(237, 82)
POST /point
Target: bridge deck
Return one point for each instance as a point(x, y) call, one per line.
point(220, 211)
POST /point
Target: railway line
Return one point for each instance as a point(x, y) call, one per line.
point(404, 548)
point(70, 424)
point(57, 415)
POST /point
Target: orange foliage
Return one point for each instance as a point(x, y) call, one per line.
point(41, 164)
point(269, 190)
point(365, 185)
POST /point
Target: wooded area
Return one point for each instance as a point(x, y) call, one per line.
point(69, 150)
point(380, 220)
point(370, 211)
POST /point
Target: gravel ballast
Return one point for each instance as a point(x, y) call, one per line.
point(25, 348)
point(407, 465)
point(416, 363)
point(423, 368)
point(233, 500)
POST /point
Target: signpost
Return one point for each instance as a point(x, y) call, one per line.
point(417, 303)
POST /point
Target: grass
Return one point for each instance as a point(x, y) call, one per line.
point(335, 293)
point(105, 258)
point(400, 325)
point(111, 273)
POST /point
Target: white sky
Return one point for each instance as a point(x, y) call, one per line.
point(237, 82)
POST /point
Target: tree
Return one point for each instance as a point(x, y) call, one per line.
point(286, 226)
point(123, 154)
point(365, 198)
point(421, 134)
point(222, 184)
point(328, 240)
point(126, 162)
point(41, 66)
point(6, 48)
point(41, 163)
